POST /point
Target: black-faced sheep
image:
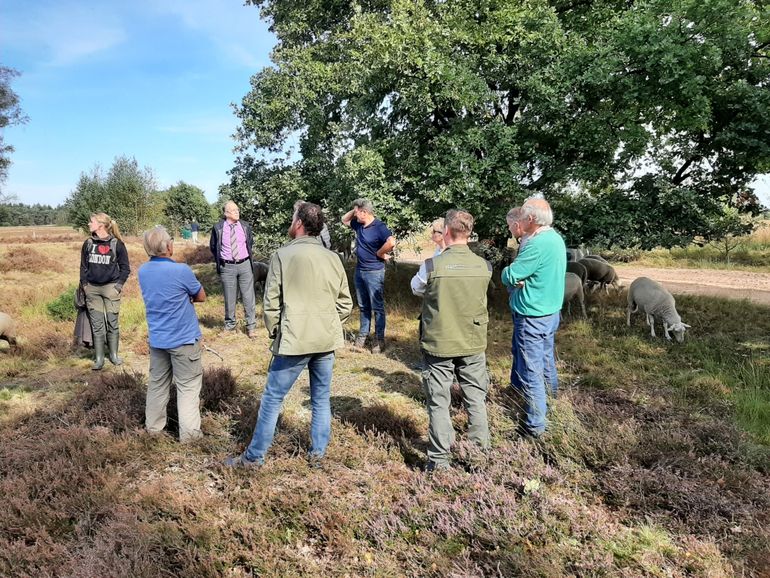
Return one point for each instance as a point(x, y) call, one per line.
point(260, 275)
point(577, 269)
point(597, 257)
point(601, 273)
point(575, 254)
point(656, 302)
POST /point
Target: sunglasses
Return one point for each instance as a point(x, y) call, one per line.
point(439, 232)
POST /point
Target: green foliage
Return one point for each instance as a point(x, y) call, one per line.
point(657, 108)
point(126, 193)
point(10, 114)
point(63, 307)
point(186, 203)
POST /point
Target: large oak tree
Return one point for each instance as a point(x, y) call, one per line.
point(651, 116)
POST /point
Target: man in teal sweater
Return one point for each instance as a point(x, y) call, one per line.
point(538, 272)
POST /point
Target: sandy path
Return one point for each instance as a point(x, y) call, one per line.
point(732, 284)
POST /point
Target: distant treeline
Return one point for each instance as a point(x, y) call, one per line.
point(19, 214)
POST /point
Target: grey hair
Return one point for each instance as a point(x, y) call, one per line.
point(364, 205)
point(438, 224)
point(513, 215)
point(539, 209)
point(156, 241)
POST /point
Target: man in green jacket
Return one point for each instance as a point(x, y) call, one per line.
point(538, 272)
point(454, 337)
point(307, 299)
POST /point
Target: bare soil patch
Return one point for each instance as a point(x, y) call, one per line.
point(749, 285)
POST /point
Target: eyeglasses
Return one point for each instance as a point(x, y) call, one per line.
point(439, 232)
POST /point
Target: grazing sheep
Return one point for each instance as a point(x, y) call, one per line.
point(597, 257)
point(573, 287)
point(576, 254)
point(601, 273)
point(656, 302)
point(578, 269)
point(8, 329)
point(260, 274)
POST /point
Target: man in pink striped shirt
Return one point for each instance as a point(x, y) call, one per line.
point(231, 241)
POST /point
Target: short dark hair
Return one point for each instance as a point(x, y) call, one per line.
point(312, 218)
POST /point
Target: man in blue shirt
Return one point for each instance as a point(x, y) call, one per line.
point(374, 242)
point(169, 290)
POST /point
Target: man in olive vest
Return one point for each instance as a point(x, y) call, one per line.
point(454, 337)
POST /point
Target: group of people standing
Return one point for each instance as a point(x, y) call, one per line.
point(453, 323)
point(307, 300)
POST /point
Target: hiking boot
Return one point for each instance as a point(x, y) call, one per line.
point(379, 346)
point(434, 467)
point(241, 462)
point(315, 461)
point(360, 342)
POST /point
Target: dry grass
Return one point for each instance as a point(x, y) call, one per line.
point(645, 471)
point(28, 260)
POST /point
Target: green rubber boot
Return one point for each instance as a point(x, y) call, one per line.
point(113, 339)
point(98, 352)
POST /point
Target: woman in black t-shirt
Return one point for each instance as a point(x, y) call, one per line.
point(104, 269)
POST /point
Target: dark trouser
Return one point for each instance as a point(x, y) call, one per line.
point(471, 374)
point(235, 278)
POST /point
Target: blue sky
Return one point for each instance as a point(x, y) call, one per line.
point(148, 79)
point(151, 79)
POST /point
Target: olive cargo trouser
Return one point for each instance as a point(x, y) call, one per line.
point(471, 374)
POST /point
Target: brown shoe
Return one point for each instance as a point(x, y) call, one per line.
point(379, 346)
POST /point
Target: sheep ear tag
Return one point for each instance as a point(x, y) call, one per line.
point(103, 249)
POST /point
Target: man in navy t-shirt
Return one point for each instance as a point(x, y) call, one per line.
point(374, 242)
point(169, 290)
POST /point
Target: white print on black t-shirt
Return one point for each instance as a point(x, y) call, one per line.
point(99, 259)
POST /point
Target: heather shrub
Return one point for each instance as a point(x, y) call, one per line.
point(196, 255)
point(219, 387)
point(218, 391)
point(55, 343)
point(28, 260)
point(115, 401)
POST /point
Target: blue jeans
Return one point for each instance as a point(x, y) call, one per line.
point(534, 365)
point(370, 288)
point(284, 371)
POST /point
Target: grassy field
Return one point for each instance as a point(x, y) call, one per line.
point(657, 462)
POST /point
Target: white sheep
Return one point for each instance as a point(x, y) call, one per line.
point(7, 329)
point(656, 301)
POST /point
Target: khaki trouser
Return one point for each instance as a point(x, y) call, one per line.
point(102, 301)
point(182, 365)
point(471, 373)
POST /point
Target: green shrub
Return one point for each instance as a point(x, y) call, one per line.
point(63, 307)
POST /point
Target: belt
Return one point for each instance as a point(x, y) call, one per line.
point(238, 262)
